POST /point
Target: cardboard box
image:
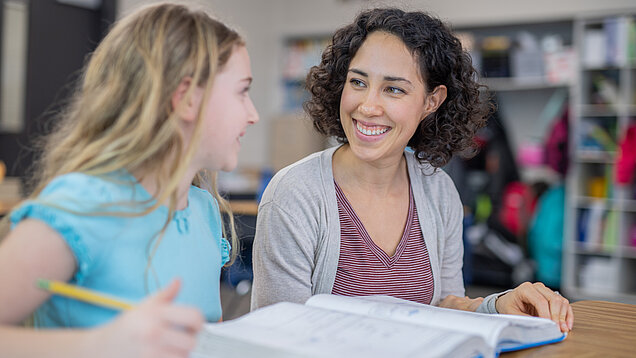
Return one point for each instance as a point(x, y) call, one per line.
point(293, 137)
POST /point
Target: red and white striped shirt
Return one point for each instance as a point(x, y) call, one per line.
point(365, 269)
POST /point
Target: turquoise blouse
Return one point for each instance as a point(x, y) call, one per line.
point(111, 252)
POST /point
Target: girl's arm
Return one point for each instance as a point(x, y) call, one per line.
point(155, 328)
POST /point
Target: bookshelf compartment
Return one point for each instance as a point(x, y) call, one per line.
point(299, 55)
point(598, 134)
point(631, 92)
point(608, 42)
point(596, 180)
point(598, 275)
point(597, 229)
point(601, 89)
point(521, 57)
point(627, 267)
point(628, 228)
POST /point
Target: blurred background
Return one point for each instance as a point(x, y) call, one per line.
point(550, 196)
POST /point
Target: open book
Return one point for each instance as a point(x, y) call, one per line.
point(371, 326)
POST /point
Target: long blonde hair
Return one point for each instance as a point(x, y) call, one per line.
point(122, 118)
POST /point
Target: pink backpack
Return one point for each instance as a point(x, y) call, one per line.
point(556, 147)
point(626, 159)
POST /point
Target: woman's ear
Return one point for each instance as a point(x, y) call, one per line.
point(186, 108)
point(435, 99)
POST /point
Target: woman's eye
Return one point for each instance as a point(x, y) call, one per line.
point(356, 82)
point(395, 90)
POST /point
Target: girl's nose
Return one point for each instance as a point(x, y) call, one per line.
point(253, 116)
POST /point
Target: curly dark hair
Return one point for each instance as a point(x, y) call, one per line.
point(441, 60)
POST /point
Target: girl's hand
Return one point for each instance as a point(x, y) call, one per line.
point(461, 303)
point(155, 328)
point(534, 299)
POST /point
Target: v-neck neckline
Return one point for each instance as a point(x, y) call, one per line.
point(387, 261)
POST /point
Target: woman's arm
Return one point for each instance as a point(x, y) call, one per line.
point(283, 260)
point(155, 328)
point(452, 213)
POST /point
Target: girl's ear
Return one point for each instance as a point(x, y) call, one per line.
point(186, 108)
point(435, 99)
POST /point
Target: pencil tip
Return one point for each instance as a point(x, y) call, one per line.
point(42, 283)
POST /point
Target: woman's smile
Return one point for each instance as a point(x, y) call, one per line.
point(372, 131)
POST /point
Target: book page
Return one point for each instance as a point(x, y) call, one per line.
point(288, 329)
point(489, 327)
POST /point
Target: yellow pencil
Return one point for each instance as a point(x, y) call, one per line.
point(82, 294)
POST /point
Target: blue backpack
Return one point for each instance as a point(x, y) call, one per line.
point(545, 237)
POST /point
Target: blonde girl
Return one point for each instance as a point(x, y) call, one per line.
point(163, 101)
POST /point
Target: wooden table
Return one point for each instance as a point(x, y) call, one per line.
point(601, 329)
point(7, 205)
point(244, 207)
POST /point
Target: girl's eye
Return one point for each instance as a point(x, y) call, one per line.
point(356, 82)
point(395, 90)
point(245, 90)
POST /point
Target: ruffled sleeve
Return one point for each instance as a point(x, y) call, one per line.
point(61, 206)
point(225, 251)
point(56, 220)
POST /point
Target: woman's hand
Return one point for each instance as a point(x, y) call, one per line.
point(461, 303)
point(155, 328)
point(534, 299)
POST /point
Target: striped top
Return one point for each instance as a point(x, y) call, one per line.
point(365, 269)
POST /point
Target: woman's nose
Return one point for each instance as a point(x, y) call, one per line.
point(370, 107)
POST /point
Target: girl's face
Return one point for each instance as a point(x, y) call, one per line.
point(383, 100)
point(228, 112)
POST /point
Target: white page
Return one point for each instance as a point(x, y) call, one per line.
point(487, 326)
point(287, 329)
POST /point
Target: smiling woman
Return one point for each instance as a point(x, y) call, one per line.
point(384, 99)
point(370, 217)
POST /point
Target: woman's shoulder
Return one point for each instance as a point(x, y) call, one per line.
point(426, 172)
point(433, 182)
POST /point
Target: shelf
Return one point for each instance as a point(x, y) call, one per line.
point(587, 202)
point(628, 252)
point(628, 205)
point(595, 156)
point(502, 84)
point(580, 249)
point(600, 68)
point(619, 251)
point(598, 110)
point(602, 110)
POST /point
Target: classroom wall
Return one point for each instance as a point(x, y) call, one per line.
point(265, 23)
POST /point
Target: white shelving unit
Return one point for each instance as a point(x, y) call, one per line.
point(599, 259)
point(528, 83)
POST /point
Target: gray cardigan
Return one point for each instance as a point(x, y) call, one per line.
point(297, 243)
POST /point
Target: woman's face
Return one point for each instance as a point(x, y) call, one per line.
point(383, 100)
